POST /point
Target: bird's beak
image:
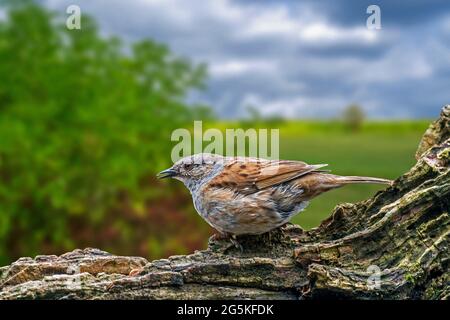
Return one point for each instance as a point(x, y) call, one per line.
point(168, 173)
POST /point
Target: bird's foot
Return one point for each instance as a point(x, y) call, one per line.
point(228, 237)
point(236, 243)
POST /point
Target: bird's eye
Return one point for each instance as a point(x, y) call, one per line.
point(188, 166)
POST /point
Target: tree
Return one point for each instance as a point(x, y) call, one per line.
point(81, 122)
point(353, 117)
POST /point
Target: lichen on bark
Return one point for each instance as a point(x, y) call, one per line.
point(392, 246)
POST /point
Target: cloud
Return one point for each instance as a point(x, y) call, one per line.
point(296, 107)
point(307, 59)
point(303, 27)
point(2, 14)
point(324, 33)
point(238, 67)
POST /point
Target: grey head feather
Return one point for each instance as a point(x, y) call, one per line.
point(205, 166)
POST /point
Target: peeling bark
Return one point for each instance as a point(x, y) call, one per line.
point(392, 246)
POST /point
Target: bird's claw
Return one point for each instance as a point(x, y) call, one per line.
point(221, 236)
point(236, 243)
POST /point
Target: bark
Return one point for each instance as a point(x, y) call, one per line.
point(392, 246)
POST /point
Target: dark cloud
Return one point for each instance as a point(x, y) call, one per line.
point(353, 12)
point(305, 59)
point(394, 13)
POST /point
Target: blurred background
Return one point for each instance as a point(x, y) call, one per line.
point(86, 115)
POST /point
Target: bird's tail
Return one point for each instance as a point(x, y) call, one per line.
point(357, 179)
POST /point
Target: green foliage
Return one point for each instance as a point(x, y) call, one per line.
point(82, 118)
point(353, 117)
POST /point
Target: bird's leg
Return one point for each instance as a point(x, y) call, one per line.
point(235, 242)
point(225, 236)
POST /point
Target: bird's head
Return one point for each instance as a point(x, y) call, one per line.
point(194, 170)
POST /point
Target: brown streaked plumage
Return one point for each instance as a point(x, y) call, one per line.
point(238, 195)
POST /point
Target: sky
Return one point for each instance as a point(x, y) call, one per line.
point(298, 59)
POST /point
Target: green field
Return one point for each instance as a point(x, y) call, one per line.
point(379, 149)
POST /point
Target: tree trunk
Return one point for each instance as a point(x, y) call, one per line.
point(394, 245)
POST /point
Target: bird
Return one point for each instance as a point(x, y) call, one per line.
point(251, 196)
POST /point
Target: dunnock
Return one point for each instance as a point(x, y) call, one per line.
point(238, 195)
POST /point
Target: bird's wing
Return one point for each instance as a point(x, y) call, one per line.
point(248, 175)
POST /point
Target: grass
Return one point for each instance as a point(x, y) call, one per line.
point(384, 154)
point(379, 149)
